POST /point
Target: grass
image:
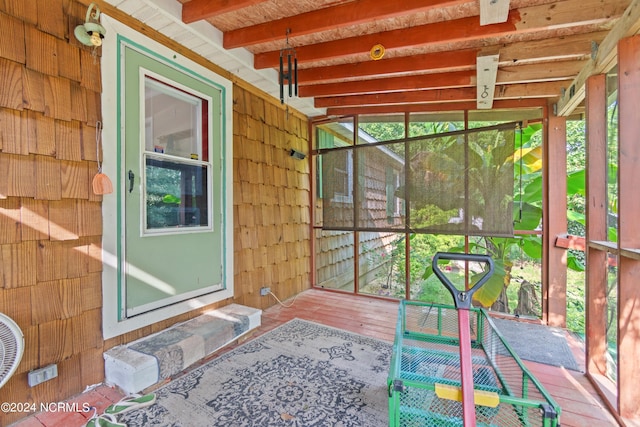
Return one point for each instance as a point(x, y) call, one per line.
point(432, 290)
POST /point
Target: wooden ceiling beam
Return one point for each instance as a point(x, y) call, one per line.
point(530, 73)
point(435, 107)
point(196, 10)
point(347, 14)
point(424, 81)
point(574, 47)
point(451, 61)
point(520, 91)
point(559, 15)
point(425, 35)
point(547, 71)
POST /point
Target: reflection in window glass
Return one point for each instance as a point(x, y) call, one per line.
point(176, 194)
point(335, 260)
point(334, 134)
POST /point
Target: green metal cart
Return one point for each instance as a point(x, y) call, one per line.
point(425, 382)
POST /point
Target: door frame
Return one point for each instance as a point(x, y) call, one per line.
point(113, 159)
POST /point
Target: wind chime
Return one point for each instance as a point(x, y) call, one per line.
point(288, 75)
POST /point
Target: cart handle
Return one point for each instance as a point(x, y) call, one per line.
point(462, 299)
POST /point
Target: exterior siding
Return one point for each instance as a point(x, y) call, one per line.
point(51, 222)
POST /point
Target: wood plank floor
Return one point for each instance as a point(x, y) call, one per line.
point(581, 406)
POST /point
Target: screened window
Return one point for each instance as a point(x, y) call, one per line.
point(449, 183)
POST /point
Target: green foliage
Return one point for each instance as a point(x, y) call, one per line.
point(525, 249)
point(492, 288)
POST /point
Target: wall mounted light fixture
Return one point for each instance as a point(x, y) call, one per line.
point(91, 32)
point(297, 154)
point(288, 75)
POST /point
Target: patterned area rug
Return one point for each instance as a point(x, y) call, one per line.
point(299, 374)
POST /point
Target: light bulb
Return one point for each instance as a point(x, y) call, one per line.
point(96, 40)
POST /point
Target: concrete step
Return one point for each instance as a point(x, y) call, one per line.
point(145, 362)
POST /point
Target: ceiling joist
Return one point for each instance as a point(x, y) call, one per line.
point(429, 49)
point(561, 15)
point(468, 94)
point(343, 15)
point(517, 74)
point(605, 59)
point(570, 48)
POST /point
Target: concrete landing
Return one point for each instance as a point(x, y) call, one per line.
point(143, 363)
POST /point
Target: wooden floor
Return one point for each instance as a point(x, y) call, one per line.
point(581, 406)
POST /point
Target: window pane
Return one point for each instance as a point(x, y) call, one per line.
point(176, 194)
point(481, 118)
point(335, 260)
point(612, 155)
point(172, 121)
point(382, 264)
point(388, 127)
point(423, 124)
point(334, 134)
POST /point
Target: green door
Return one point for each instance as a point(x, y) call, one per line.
point(172, 195)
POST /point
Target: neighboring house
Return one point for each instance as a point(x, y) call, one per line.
point(379, 172)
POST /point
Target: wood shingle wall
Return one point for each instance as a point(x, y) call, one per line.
point(271, 201)
point(51, 222)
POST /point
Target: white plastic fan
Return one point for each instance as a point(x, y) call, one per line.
point(11, 348)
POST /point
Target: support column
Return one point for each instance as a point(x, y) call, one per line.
point(596, 230)
point(629, 228)
point(555, 222)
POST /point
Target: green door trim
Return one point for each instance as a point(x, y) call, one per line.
point(122, 44)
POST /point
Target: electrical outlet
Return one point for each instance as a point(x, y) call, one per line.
point(41, 375)
point(265, 291)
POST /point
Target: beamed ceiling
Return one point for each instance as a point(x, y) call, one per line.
point(431, 48)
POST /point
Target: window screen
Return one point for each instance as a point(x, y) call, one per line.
point(452, 183)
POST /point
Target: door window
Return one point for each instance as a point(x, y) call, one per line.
point(177, 168)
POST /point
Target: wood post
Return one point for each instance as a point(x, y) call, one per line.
point(596, 212)
point(555, 223)
point(628, 227)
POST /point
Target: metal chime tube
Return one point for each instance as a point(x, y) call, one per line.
point(295, 67)
point(289, 73)
point(281, 79)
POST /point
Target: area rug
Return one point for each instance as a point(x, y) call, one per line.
point(299, 374)
point(537, 343)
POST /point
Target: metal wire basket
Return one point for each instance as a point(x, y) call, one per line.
point(425, 376)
